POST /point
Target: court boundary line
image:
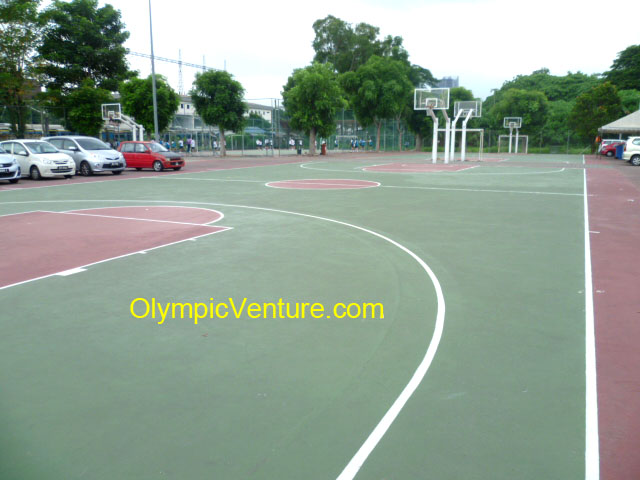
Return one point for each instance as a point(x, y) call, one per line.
point(392, 186)
point(592, 446)
point(338, 186)
point(75, 212)
point(356, 462)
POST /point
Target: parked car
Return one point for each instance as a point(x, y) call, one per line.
point(607, 141)
point(632, 151)
point(39, 159)
point(9, 167)
point(154, 155)
point(610, 149)
point(90, 154)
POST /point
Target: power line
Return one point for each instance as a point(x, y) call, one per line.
point(170, 60)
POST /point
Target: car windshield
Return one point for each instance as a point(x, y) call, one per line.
point(157, 147)
point(92, 144)
point(41, 147)
point(2, 150)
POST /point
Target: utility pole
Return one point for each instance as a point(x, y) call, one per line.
point(153, 81)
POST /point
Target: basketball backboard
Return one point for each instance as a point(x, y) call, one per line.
point(512, 122)
point(111, 111)
point(475, 106)
point(431, 99)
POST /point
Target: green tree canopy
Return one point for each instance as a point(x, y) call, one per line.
point(532, 106)
point(19, 37)
point(625, 71)
point(347, 48)
point(136, 96)
point(377, 90)
point(595, 108)
point(84, 113)
point(566, 87)
point(81, 41)
point(218, 99)
point(312, 97)
point(630, 100)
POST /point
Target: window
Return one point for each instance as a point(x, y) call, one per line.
point(141, 148)
point(128, 147)
point(56, 142)
point(19, 149)
point(68, 144)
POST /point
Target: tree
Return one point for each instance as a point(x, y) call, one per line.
point(625, 71)
point(377, 90)
point(630, 100)
point(84, 114)
point(418, 121)
point(555, 88)
point(136, 96)
point(312, 97)
point(599, 106)
point(347, 48)
point(218, 99)
point(19, 37)
point(81, 41)
point(532, 106)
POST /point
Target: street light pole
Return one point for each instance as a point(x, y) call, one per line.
point(153, 81)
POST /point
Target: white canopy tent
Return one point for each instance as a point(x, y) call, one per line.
point(629, 125)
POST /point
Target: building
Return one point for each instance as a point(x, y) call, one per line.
point(449, 82)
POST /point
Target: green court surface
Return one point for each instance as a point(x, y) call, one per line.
point(89, 391)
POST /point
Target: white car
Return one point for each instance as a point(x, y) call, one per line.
point(9, 167)
point(39, 159)
point(632, 151)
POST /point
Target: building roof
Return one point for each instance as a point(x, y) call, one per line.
point(629, 124)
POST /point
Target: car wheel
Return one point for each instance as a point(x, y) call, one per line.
point(14, 180)
point(157, 166)
point(35, 173)
point(85, 169)
point(609, 154)
point(635, 160)
point(117, 173)
point(177, 168)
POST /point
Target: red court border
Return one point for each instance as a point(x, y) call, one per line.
point(62, 243)
point(614, 223)
point(323, 184)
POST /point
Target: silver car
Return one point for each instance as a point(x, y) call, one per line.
point(9, 167)
point(90, 154)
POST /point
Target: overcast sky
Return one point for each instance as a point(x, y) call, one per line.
point(483, 42)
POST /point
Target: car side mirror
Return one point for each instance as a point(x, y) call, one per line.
point(74, 149)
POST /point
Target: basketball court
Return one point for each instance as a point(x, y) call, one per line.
point(498, 289)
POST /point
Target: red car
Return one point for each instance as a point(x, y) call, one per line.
point(610, 149)
point(153, 155)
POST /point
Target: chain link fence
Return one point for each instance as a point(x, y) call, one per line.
point(273, 135)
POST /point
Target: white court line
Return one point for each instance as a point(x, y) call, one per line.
point(76, 210)
point(343, 186)
point(525, 192)
point(84, 267)
point(485, 190)
point(133, 218)
point(592, 453)
point(383, 425)
point(211, 179)
point(164, 175)
point(360, 170)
